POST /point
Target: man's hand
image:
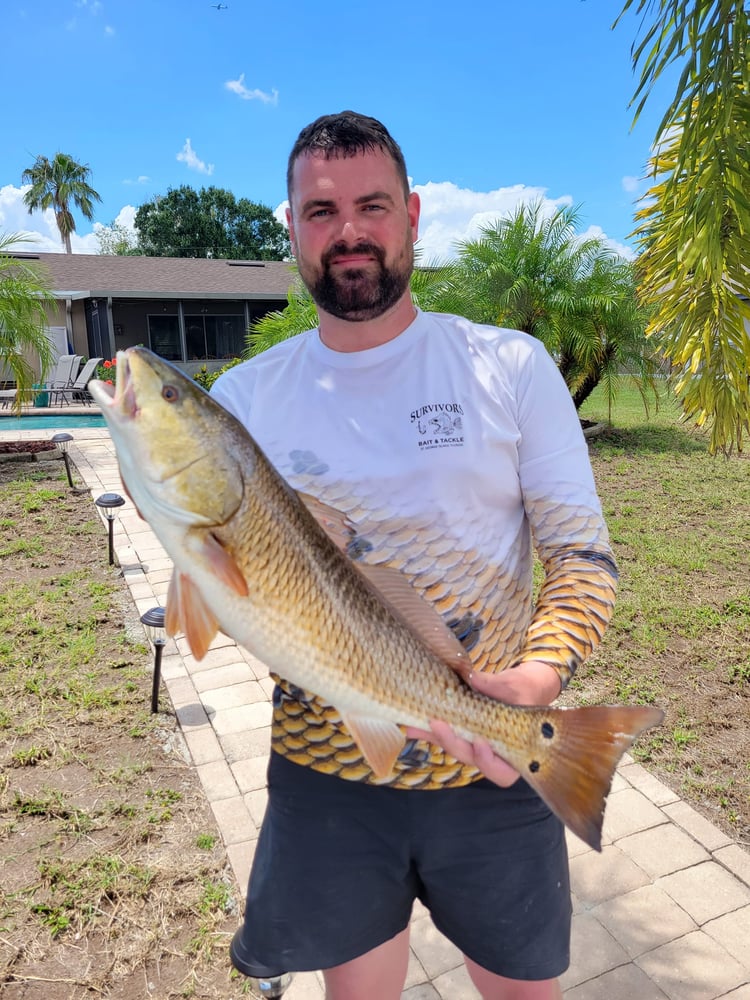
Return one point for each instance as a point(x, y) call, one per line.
point(530, 683)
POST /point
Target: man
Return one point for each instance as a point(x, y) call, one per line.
point(451, 447)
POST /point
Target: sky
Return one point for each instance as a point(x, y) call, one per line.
point(494, 103)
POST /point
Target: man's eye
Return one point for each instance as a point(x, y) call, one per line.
point(320, 212)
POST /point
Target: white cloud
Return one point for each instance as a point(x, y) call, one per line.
point(630, 184)
point(126, 217)
point(238, 87)
point(92, 7)
point(109, 30)
point(189, 157)
point(596, 232)
point(140, 179)
point(38, 227)
point(450, 214)
point(279, 213)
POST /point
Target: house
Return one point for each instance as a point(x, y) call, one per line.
point(192, 311)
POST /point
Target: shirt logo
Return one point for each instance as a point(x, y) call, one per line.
point(438, 425)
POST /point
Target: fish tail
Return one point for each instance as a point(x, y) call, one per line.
point(572, 760)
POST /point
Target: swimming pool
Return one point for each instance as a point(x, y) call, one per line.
point(51, 421)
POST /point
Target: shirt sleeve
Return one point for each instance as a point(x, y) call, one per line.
point(576, 599)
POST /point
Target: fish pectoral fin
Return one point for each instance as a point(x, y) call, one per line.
point(336, 525)
point(188, 613)
point(380, 742)
point(223, 565)
point(418, 615)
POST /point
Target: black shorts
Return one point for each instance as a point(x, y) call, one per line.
point(338, 865)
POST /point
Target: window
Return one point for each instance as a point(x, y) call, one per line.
point(209, 337)
point(164, 337)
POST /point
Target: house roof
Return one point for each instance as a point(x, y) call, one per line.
point(80, 276)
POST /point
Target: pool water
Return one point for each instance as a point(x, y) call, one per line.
point(51, 422)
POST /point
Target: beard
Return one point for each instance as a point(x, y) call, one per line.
point(358, 294)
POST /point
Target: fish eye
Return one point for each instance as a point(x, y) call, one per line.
point(169, 393)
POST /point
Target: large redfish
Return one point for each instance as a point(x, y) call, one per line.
point(267, 567)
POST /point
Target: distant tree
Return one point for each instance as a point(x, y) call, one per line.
point(281, 324)
point(210, 223)
point(24, 293)
point(694, 223)
point(56, 184)
point(117, 240)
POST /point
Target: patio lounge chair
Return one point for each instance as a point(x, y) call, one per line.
point(63, 372)
point(76, 391)
point(59, 377)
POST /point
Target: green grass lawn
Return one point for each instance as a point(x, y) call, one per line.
point(679, 521)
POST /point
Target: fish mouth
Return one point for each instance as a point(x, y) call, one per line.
point(119, 397)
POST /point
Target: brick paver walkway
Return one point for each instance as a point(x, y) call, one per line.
point(662, 912)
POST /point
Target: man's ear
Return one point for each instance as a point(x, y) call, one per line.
point(412, 209)
point(290, 224)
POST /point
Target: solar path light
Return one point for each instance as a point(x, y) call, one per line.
point(108, 503)
point(153, 620)
point(62, 440)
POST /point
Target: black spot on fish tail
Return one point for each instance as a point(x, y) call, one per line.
point(548, 730)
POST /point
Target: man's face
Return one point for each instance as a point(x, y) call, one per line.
point(353, 233)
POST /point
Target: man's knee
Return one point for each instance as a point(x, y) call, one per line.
point(378, 973)
point(494, 987)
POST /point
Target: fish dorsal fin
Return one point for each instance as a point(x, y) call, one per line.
point(393, 588)
point(418, 615)
point(380, 742)
point(336, 525)
point(188, 613)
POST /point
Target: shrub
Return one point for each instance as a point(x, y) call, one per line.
point(206, 378)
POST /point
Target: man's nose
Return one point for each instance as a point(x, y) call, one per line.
point(351, 231)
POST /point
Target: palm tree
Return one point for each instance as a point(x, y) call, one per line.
point(55, 184)
point(24, 293)
point(606, 336)
point(281, 324)
point(525, 271)
point(432, 288)
point(531, 273)
point(694, 223)
point(537, 274)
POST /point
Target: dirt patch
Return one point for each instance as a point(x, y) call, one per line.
point(113, 878)
point(20, 449)
point(681, 629)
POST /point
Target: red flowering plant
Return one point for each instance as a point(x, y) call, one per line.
point(104, 371)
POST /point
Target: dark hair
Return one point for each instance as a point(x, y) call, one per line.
point(346, 134)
